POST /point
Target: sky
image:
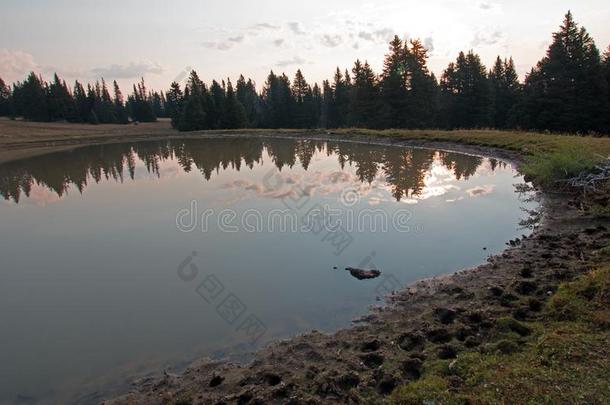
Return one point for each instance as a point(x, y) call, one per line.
point(161, 40)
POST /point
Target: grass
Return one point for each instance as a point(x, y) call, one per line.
point(529, 143)
point(565, 360)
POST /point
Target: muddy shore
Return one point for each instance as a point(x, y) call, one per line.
point(431, 319)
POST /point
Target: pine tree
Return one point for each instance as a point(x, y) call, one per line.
point(564, 91)
point(606, 67)
point(505, 92)
point(394, 86)
point(303, 99)
point(277, 102)
point(328, 105)
point(92, 101)
point(60, 104)
point(247, 96)
point(6, 109)
point(341, 91)
point(81, 101)
point(175, 100)
point(316, 106)
point(234, 112)
point(195, 106)
point(422, 88)
point(104, 106)
point(157, 101)
point(465, 93)
point(92, 119)
point(33, 99)
point(364, 97)
point(120, 112)
point(216, 110)
point(139, 104)
point(193, 116)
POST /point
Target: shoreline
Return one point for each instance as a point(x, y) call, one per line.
point(53, 137)
point(431, 320)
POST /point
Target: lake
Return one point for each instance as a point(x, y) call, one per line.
point(122, 260)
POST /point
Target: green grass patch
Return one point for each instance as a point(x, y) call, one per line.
point(566, 359)
point(586, 300)
point(550, 167)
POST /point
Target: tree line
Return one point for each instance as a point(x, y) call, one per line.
point(567, 91)
point(37, 100)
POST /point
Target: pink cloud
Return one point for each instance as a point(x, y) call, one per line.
point(15, 65)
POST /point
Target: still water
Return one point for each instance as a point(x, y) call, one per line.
point(121, 260)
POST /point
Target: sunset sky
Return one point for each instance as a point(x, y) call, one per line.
point(160, 40)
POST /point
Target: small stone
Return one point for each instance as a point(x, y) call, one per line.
point(445, 315)
point(534, 305)
point(526, 287)
point(370, 346)
point(216, 381)
point(410, 341)
point(496, 291)
point(372, 360)
point(272, 379)
point(411, 368)
point(439, 335)
point(471, 341)
point(447, 352)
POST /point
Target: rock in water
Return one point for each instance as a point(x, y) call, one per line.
point(363, 274)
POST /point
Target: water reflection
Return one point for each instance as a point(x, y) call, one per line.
point(410, 173)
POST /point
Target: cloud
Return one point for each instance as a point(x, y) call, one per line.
point(490, 7)
point(15, 65)
point(382, 35)
point(219, 45)
point(226, 44)
point(127, 71)
point(296, 28)
point(238, 39)
point(487, 38)
point(265, 26)
point(297, 60)
point(429, 44)
point(331, 41)
point(367, 36)
point(278, 42)
point(480, 190)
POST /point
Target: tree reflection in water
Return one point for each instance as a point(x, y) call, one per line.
point(403, 169)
